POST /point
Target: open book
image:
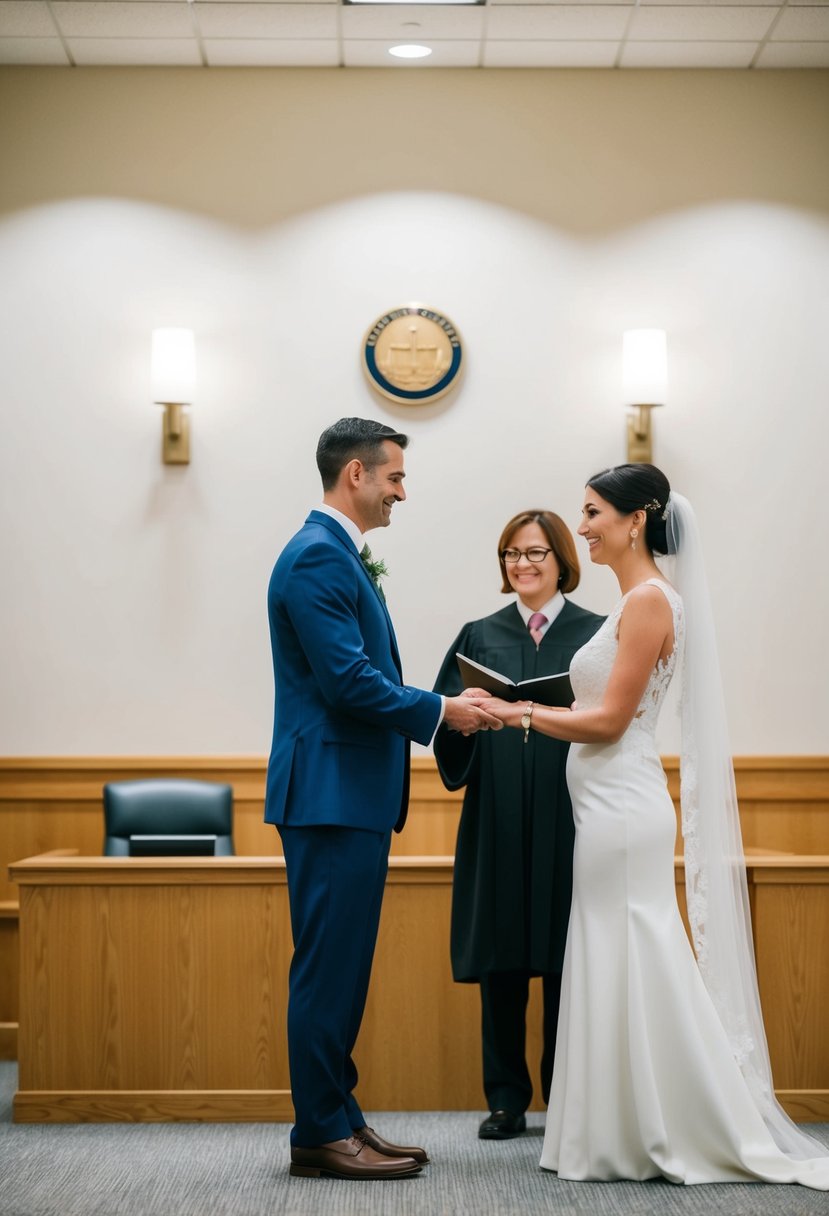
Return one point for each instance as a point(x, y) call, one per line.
point(547, 690)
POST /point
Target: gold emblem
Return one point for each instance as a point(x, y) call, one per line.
point(412, 354)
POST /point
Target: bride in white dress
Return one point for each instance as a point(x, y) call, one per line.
point(661, 1063)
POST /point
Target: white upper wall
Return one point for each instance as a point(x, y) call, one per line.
point(278, 214)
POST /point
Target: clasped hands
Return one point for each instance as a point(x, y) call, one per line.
point(476, 710)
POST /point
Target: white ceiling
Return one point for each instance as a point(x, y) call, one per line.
point(497, 33)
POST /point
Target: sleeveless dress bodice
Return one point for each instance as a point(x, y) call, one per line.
point(591, 666)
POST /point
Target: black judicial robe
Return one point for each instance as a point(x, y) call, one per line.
point(514, 855)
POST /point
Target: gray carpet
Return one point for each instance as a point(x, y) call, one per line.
point(241, 1170)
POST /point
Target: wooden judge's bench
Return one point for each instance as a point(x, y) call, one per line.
point(156, 988)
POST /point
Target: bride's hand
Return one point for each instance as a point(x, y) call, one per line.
point(479, 694)
point(504, 711)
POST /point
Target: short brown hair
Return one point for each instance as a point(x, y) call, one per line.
point(353, 439)
point(561, 542)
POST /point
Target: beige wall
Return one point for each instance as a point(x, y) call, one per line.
point(278, 213)
point(588, 152)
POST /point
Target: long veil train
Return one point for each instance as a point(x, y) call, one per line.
point(715, 874)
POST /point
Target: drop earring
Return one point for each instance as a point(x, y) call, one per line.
point(634, 532)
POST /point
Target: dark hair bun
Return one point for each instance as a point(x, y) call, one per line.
point(638, 487)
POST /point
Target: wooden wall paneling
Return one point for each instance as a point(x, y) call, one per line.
point(791, 918)
point(252, 837)
point(785, 825)
point(48, 803)
point(153, 1106)
point(9, 972)
point(431, 829)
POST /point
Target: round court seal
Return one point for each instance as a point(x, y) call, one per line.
point(412, 354)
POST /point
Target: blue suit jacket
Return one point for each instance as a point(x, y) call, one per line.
point(343, 717)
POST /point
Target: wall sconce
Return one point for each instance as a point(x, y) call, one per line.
point(174, 383)
point(645, 383)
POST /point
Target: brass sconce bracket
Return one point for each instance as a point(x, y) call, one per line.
point(640, 450)
point(176, 434)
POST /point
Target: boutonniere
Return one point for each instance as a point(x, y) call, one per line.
point(376, 568)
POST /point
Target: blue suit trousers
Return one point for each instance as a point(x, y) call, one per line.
point(336, 877)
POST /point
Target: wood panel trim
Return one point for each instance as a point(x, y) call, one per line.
point(80, 778)
point(147, 871)
point(248, 1106)
point(154, 1106)
point(56, 870)
point(8, 1040)
point(792, 871)
point(137, 763)
point(244, 763)
point(805, 1105)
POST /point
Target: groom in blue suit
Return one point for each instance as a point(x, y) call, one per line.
point(338, 784)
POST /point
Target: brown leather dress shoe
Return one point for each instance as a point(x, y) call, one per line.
point(351, 1158)
point(369, 1136)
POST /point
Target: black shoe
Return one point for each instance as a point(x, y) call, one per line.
point(502, 1125)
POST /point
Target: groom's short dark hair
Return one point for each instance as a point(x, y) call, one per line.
point(353, 439)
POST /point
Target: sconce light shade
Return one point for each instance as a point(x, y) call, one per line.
point(644, 386)
point(173, 365)
point(173, 371)
point(645, 367)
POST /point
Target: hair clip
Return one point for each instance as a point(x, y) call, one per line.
point(653, 505)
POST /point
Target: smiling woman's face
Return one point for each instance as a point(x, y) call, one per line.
point(606, 531)
point(535, 582)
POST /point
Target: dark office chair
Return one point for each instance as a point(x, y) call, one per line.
point(167, 817)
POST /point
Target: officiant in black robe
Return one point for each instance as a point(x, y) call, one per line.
point(514, 856)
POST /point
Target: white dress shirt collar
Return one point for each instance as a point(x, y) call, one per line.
point(551, 610)
point(354, 534)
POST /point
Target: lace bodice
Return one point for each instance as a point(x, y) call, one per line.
point(591, 666)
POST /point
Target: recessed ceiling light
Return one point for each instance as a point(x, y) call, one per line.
point(347, 2)
point(410, 50)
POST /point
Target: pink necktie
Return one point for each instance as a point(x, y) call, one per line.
point(534, 625)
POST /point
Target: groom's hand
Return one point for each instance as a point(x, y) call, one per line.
point(465, 714)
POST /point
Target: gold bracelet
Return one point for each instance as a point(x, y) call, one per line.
point(527, 719)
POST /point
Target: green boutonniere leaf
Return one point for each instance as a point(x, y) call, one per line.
point(376, 569)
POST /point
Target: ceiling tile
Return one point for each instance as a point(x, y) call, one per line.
point(701, 24)
point(552, 22)
point(267, 20)
point(412, 21)
point(136, 19)
point(33, 50)
point(688, 54)
point(163, 52)
point(571, 3)
point(536, 54)
point(713, 3)
point(794, 55)
point(26, 19)
point(802, 25)
point(448, 54)
point(272, 52)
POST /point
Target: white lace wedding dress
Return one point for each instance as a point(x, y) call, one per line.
point(645, 1082)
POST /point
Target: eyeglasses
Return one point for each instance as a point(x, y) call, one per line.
point(535, 555)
